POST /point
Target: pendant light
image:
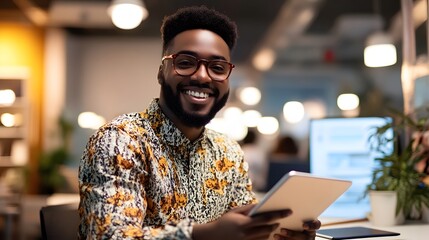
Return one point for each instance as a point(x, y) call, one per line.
point(127, 14)
point(379, 50)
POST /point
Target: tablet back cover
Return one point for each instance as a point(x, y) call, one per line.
point(305, 194)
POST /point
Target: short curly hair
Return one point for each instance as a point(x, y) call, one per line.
point(198, 17)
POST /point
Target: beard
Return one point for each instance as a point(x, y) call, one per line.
point(190, 119)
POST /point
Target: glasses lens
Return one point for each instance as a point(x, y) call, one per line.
point(219, 70)
point(185, 64)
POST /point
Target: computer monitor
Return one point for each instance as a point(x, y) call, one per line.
point(277, 169)
point(340, 148)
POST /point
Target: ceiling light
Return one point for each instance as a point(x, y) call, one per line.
point(7, 119)
point(268, 125)
point(293, 111)
point(348, 101)
point(7, 97)
point(234, 129)
point(315, 108)
point(232, 113)
point(250, 95)
point(127, 14)
point(380, 51)
point(90, 120)
point(251, 118)
point(264, 60)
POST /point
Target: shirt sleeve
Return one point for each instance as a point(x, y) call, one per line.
point(113, 200)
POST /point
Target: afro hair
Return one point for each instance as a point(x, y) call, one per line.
point(200, 17)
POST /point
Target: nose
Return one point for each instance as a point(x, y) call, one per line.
point(202, 72)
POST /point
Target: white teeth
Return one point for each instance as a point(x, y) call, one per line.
point(197, 94)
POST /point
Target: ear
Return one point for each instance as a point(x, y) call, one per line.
point(160, 74)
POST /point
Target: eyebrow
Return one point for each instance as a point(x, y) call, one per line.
point(214, 57)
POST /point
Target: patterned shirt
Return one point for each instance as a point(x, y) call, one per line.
point(141, 178)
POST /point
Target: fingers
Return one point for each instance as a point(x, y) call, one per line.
point(309, 232)
point(261, 225)
point(289, 234)
point(271, 216)
point(243, 209)
point(312, 225)
point(261, 232)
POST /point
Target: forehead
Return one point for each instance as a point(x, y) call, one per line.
point(204, 43)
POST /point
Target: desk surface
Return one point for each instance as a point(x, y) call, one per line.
point(409, 231)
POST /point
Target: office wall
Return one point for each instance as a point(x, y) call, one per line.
point(325, 83)
point(22, 47)
point(109, 76)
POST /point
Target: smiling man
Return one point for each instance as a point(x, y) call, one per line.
point(160, 174)
point(194, 80)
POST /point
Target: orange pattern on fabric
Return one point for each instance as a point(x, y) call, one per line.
point(216, 185)
point(180, 200)
point(123, 163)
point(133, 212)
point(119, 198)
point(103, 225)
point(224, 165)
point(149, 151)
point(201, 152)
point(242, 169)
point(163, 166)
point(166, 203)
point(133, 231)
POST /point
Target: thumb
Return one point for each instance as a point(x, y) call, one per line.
point(243, 209)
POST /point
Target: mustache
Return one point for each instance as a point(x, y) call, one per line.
point(198, 84)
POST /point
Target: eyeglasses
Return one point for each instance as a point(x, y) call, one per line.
point(186, 65)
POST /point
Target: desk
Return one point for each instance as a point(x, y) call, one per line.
point(62, 198)
point(411, 230)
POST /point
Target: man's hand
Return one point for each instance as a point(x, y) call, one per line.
point(237, 225)
point(308, 233)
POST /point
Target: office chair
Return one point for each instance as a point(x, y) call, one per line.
point(59, 222)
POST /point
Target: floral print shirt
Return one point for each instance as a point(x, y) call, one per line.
point(141, 178)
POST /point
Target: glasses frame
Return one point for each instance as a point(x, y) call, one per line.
point(199, 62)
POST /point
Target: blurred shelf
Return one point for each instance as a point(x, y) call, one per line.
point(19, 103)
point(6, 162)
point(12, 132)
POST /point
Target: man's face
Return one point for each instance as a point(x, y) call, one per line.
point(194, 100)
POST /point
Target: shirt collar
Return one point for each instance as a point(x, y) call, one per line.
point(165, 128)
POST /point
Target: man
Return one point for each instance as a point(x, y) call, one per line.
point(159, 174)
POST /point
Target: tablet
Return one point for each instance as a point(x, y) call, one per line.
point(305, 194)
point(353, 233)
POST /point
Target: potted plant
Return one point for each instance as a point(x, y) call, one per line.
point(397, 169)
point(51, 179)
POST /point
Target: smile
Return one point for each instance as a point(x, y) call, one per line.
point(197, 94)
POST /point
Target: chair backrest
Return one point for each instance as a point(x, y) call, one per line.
point(59, 222)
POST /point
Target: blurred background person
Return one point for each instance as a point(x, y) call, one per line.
point(286, 149)
point(283, 159)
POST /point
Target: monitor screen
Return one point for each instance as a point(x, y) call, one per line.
point(339, 148)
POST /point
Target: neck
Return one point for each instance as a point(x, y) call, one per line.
point(192, 133)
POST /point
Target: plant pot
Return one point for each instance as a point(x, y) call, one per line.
point(425, 214)
point(383, 209)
